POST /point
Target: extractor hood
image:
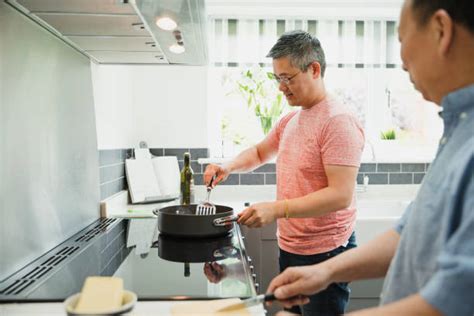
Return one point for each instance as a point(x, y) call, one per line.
point(125, 31)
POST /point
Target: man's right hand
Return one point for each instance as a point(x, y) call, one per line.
point(221, 173)
point(214, 272)
point(298, 283)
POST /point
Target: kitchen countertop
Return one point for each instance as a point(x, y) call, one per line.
point(161, 308)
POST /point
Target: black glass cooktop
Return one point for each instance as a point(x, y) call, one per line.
point(154, 266)
point(182, 268)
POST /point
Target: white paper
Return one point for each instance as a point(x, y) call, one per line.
point(151, 180)
point(142, 153)
point(142, 182)
point(167, 173)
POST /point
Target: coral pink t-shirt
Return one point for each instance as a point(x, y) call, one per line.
point(306, 140)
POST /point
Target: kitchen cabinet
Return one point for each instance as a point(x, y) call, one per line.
point(262, 246)
point(124, 32)
point(95, 25)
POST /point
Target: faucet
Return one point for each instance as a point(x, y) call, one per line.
point(372, 150)
point(364, 186)
point(388, 92)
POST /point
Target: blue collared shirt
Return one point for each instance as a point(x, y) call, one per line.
point(435, 256)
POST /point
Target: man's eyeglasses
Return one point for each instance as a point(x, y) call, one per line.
point(285, 80)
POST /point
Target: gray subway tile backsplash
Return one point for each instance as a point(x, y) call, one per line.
point(368, 167)
point(157, 152)
point(110, 157)
point(233, 179)
point(270, 178)
point(377, 178)
point(113, 180)
point(269, 167)
point(178, 152)
point(252, 179)
point(400, 178)
point(413, 167)
point(196, 167)
point(198, 179)
point(388, 167)
point(111, 173)
point(197, 153)
point(418, 178)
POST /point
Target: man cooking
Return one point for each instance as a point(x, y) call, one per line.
point(317, 149)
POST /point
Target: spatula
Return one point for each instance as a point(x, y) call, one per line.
point(256, 300)
point(206, 207)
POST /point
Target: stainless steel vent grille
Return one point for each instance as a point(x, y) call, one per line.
point(17, 287)
point(102, 226)
point(34, 273)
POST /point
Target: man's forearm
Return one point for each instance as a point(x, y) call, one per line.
point(365, 262)
point(319, 203)
point(412, 305)
point(245, 161)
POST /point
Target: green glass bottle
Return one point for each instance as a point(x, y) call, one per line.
point(187, 181)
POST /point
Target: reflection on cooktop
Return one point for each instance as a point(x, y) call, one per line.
point(196, 250)
point(193, 268)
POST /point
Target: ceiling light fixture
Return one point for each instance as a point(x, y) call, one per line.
point(177, 49)
point(166, 23)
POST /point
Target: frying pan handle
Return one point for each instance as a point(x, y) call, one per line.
point(223, 221)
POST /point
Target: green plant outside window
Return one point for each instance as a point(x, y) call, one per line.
point(388, 134)
point(257, 87)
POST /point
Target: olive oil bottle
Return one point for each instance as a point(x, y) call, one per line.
point(187, 181)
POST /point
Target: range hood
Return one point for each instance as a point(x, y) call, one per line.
point(124, 31)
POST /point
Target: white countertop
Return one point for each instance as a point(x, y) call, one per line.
point(235, 196)
point(161, 308)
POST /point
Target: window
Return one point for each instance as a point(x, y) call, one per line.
point(363, 70)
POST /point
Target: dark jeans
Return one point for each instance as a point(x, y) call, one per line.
point(331, 301)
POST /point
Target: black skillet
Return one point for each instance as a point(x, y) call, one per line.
point(182, 221)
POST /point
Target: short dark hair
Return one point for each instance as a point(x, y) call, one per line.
point(461, 11)
point(302, 48)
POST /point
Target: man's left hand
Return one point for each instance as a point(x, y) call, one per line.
point(259, 214)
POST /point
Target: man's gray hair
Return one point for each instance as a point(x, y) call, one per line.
point(302, 49)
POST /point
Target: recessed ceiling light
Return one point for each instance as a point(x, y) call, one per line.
point(177, 49)
point(166, 23)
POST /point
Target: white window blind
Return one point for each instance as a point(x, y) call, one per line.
point(364, 71)
point(347, 43)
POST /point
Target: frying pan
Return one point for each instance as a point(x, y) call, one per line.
point(182, 221)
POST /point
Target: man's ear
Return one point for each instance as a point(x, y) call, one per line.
point(444, 31)
point(315, 68)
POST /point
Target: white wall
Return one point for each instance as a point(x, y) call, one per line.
point(113, 106)
point(162, 105)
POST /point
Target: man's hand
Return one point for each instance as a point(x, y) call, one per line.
point(299, 282)
point(220, 172)
point(260, 214)
point(214, 272)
